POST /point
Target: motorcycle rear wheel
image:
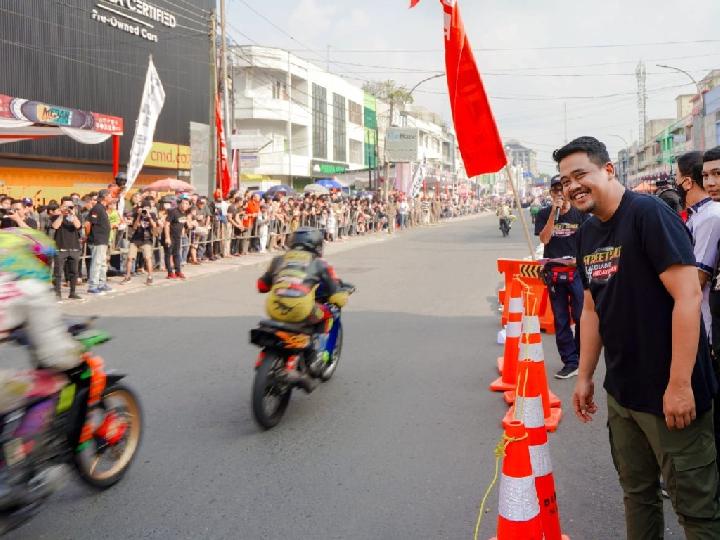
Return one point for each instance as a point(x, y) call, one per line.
point(265, 391)
point(123, 401)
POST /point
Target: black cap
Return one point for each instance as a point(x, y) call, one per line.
point(555, 180)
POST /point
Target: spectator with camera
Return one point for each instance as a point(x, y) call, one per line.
point(16, 215)
point(66, 226)
point(143, 227)
point(174, 230)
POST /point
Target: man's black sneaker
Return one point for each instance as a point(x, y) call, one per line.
point(74, 296)
point(566, 372)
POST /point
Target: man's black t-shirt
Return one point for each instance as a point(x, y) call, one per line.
point(563, 242)
point(67, 236)
point(100, 230)
point(620, 262)
point(177, 222)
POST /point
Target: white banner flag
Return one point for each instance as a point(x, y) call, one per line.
point(152, 103)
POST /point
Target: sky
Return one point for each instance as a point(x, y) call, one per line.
point(537, 58)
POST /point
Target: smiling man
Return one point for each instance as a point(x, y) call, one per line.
point(642, 306)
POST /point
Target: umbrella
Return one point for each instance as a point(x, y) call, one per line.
point(330, 183)
point(317, 189)
point(169, 184)
point(282, 188)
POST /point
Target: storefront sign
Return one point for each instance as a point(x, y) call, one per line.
point(134, 17)
point(53, 115)
point(325, 168)
point(169, 156)
point(401, 145)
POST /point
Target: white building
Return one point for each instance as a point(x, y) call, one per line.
point(274, 89)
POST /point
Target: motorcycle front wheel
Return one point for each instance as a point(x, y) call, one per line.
point(102, 466)
point(269, 399)
point(330, 369)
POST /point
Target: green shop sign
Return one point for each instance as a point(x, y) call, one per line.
point(323, 167)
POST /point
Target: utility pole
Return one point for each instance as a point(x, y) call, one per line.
point(225, 86)
point(212, 157)
point(386, 184)
point(289, 119)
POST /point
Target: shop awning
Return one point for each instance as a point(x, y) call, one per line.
point(23, 119)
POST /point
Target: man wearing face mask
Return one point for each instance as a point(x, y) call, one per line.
point(703, 223)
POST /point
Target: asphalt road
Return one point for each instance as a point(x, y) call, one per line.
point(399, 445)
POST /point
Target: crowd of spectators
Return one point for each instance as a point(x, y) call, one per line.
point(163, 233)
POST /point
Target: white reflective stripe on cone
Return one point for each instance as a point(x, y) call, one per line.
point(532, 351)
point(531, 323)
point(513, 329)
point(531, 411)
point(540, 459)
point(515, 305)
point(518, 498)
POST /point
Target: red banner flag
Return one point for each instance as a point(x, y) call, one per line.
point(223, 173)
point(478, 138)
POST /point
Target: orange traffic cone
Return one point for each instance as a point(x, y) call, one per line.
point(532, 364)
point(507, 364)
point(530, 413)
point(518, 508)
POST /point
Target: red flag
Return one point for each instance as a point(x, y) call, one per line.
point(223, 176)
point(414, 3)
point(478, 138)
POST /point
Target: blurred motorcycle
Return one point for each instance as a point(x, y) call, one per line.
point(84, 420)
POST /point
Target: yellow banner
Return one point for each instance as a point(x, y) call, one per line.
point(169, 156)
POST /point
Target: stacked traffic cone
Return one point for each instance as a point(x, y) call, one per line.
point(509, 395)
point(518, 508)
point(534, 382)
point(530, 412)
point(507, 364)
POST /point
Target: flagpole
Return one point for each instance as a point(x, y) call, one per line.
point(511, 177)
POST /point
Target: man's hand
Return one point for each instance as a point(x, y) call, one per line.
point(583, 402)
point(679, 405)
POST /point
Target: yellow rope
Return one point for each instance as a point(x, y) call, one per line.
point(499, 452)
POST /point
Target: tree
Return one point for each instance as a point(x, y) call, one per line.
point(390, 92)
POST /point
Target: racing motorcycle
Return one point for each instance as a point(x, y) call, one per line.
point(505, 225)
point(84, 420)
point(287, 347)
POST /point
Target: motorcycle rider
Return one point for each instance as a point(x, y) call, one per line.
point(27, 300)
point(300, 284)
point(504, 213)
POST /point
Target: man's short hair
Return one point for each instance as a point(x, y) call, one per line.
point(103, 194)
point(690, 164)
point(66, 198)
point(596, 151)
point(711, 155)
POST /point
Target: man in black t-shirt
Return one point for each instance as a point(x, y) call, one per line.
point(556, 226)
point(97, 232)
point(175, 225)
point(66, 227)
point(642, 305)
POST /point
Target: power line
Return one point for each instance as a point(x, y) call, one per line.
point(540, 48)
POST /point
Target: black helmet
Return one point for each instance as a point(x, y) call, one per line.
point(308, 239)
point(121, 179)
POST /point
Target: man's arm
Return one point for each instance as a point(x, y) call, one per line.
point(679, 401)
point(547, 231)
point(590, 347)
point(57, 222)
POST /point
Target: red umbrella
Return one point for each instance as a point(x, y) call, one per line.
point(169, 184)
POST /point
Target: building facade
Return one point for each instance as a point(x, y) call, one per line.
point(93, 56)
point(295, 122)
